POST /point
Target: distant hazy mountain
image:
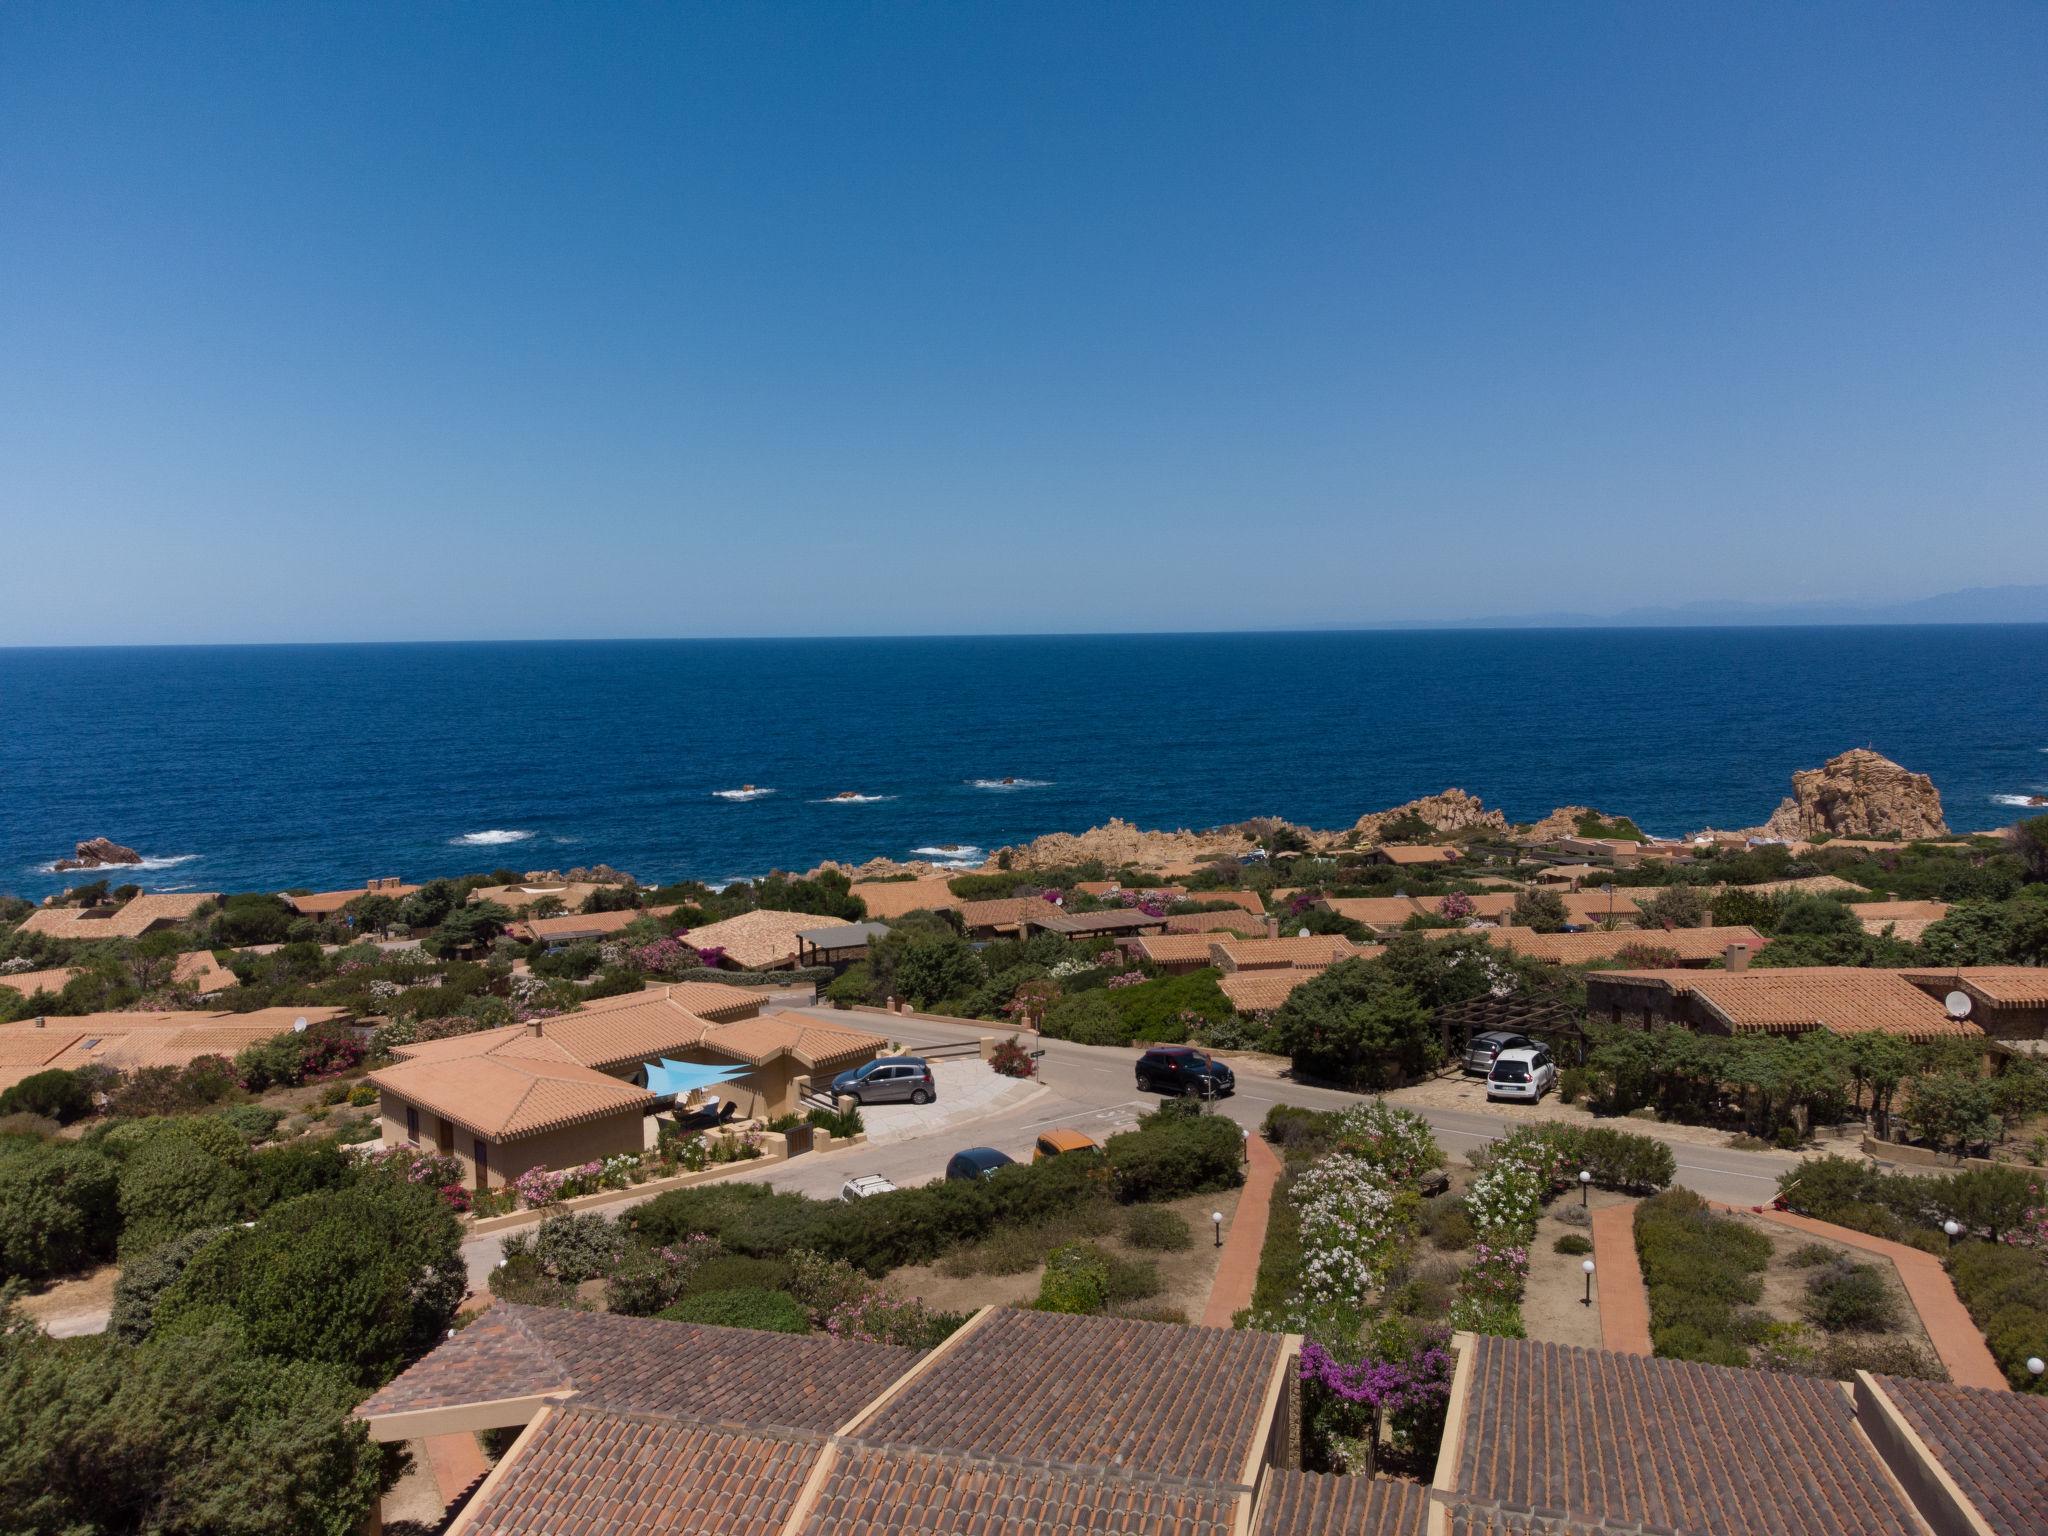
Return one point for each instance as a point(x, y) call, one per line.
point(1972, 605)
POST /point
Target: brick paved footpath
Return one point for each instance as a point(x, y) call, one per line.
point(1624, 1301)
point(1237, 1272)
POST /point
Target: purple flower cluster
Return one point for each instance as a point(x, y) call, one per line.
point(1127, 979)
point(1421, 1381)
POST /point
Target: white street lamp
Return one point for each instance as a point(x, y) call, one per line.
point(1585, 1187)
point(1216, 1220)
point(1588, 1268)
point(2036, 1365)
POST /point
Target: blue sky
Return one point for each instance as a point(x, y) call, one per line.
point(461, 321)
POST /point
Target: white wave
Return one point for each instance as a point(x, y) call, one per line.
point(2031, 802)
point(169, 861)
point(949, 851)
point(853, 799)
point(749, 793)
point(1009, 783)
point(490, 839)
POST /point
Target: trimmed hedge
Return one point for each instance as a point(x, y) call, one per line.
point(768, 1311)
point(2006, 1290)
point(1700, 1268)
point(1617, 1159)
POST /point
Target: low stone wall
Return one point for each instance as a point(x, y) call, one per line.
point(1923, 1157)
point(774, 1149)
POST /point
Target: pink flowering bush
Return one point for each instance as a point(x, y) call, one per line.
point(1456, 905)
point(665, 957)
point(1128, 979)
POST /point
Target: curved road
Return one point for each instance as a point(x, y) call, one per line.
point(1091, 1088)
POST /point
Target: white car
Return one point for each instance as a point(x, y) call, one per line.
point(1522, 1073)
point(864, 1185)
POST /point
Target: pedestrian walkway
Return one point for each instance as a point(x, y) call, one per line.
point(1237, 1272)
point(1624, 1301)
point(1950, 1330)
point(457, 1462)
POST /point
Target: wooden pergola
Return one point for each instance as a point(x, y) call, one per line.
point(1551, 1022)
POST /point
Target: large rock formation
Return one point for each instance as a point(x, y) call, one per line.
point(1120, 843)
point(1859, 794)
point(95, 852)
point(1452, 811)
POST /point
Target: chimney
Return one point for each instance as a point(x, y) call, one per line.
point(534, 1025)
point(39, 1021)
point(1272, 927)
point(1738, 957)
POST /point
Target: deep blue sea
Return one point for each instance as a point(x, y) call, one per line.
point(274, 766)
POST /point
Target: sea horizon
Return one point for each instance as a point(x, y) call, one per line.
point(275, 765)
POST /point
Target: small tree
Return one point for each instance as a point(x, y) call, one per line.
point(1675, 906)
point(1542, 910)
point(1952, 1110)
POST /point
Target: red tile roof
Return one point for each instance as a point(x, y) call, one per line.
point(1994, 1444)
point(591, 1471)
point(732, 1376)
point(1700, 944)
point(1041, 1388)
point(1319, 1504)
point(1666, 1445)
point(1844, 999)
point(903, 1493)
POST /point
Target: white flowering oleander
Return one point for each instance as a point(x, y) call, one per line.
point(1348, 1232)
point(1395, 1141)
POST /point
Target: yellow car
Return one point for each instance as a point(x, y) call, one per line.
point(1052, 1143)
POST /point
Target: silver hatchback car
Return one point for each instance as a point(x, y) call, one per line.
point(888, 1080)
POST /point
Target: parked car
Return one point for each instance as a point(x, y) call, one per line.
point(888, 1080)
point(977, 1163)
point(862, 1186)
point(1062, 1139)
point(1524, 1072)
point(1480, 1053)
point(1182, 1069)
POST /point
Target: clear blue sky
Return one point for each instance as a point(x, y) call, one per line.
point(442, 321)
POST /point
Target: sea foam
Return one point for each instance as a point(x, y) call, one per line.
point(169, 861)
point(1011, 784)
point(490, 839)
point(741, 794)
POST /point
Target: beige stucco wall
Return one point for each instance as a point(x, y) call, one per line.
point(622, 1133)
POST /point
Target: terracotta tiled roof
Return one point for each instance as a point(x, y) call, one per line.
point(1264, 990)
point(1216, 922)
point(504, 1084)
point(1593, 909)
point(23, 1045)
point(1319, 1504)
point(609, 1032)
point(204, 974)
point(1579, 948)
point(1381, 912)
point(1416, 853)
point(1844, 999)
point(2001, 986)
point(128, 1041)
point(29, 983)
point(577, 925)
point(517, 898)
point(1994, 1444)
point(1247, 900)
point(905, 1493)
point(890, 899)
point(1044, 1389)
point(1101, 888)
point(1627, 1441)
point(1179, 949)
point(1887, 911)
point(1316, 952)
point(327, 903)
point(738, 1377)
point(755, 941)
point(1006, 911)
point(129, 921)
point(811, 1041)
point(713, 1000)
point(586, 1470)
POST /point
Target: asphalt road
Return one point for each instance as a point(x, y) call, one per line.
point(1092, 1089)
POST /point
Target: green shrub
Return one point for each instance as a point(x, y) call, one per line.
point(1153, 1227)
point(1076, 1280)
point(1846, 1297)
point(1807, 1255)
point(1173, 1154)
point(1574, 1243)
point(1451, 1229)
point(1699, 1269)
point(145, 1279)
point(363, 1278)
point(740, 1272)
point(766, 1311)
point(62, 1096)
point(59, 1209)
point(2006, 1290)
point(1574, 1084)
point(254, 1122)
point(574, 1248)
point(298, 1168)
point(1620, 1160)
point(177, 1175)
point(836, 1123)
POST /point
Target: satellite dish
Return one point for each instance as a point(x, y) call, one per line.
point(1957, 1004)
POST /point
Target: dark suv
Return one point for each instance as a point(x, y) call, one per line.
point(1185, 1070)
